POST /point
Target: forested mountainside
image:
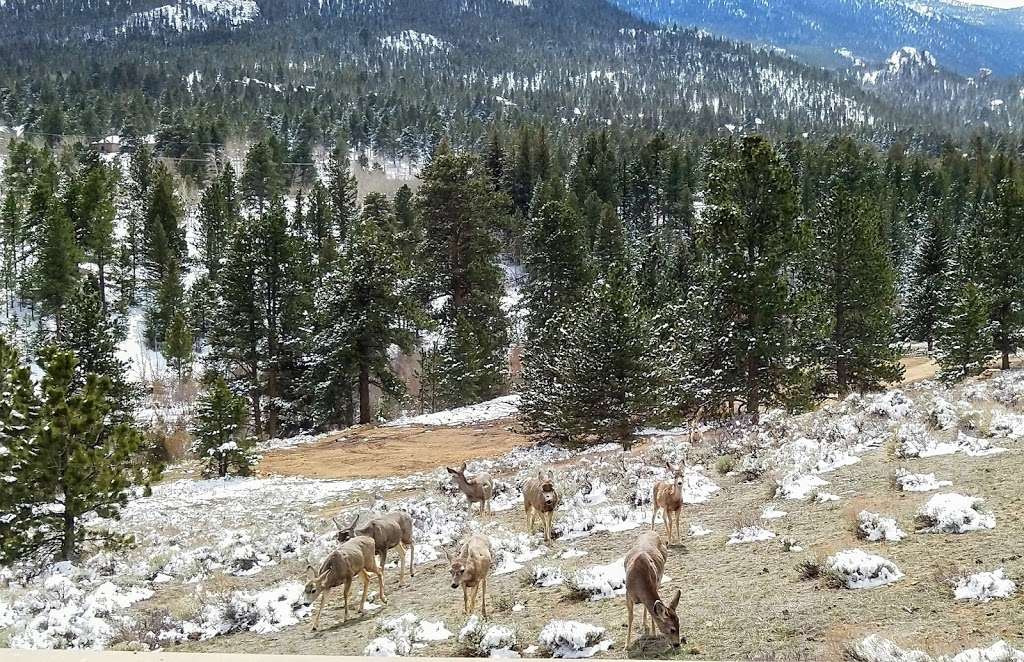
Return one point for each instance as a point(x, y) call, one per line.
point(398, 74)
point(964, 37)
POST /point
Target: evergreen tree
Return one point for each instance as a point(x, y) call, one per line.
point(751, 243)
point(19, 422)
point(926, 299)
point(237, 333)
point(178, 346)
point(218, 214)
point(1001, 267)
point(262, 178)
point(93, 335)
point(342, 190)
point(221, 437)
point(856, 283)
point(57, 274)
point(368, 308)
point(460, 214)
point(74, 458)
point(964, 337)
point(94, 207)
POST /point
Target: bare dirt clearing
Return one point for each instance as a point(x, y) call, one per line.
point(378, 451)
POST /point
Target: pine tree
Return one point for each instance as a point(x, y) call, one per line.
point(1001, 267)
point(11, 236)
point(57, 274)
point(460, 214)
point(368, 308)
point(262, 178)
point(856, 283)
point(342, 190)
point(926, 299)
point(964, 338)
point(94, 205)
point(237, 333)
point(604, 369)
point(93, 335)
point(559, 275)
point(178, 348)
point(218, 214)
point(750, 244)
point(222, 439)
point(19, 421)
point(74, 458)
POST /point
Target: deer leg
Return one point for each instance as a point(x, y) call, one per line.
point(472, 598)
point(348, 589)
point(412, 557)
point(551, 525)
point(465, 600)
point(679, 532)
point(629, 620)
point(483, 598)
point(380, 574)
point(366, 586)
point(401, 563)
point(654, 514)
point(316, 619)
point(529, 519)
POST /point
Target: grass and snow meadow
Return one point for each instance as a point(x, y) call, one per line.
point(875, 494)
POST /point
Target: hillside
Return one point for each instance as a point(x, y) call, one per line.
point(965, 37)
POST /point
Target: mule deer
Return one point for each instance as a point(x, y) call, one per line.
point(645, 566)
point(668, 499)
point(353, 559)
point(478, 489)
point(388, 531)
point(470, 569)
point(540, 500)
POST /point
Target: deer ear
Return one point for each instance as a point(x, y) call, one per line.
point(675, 600)
point(669, 466)
point(660, 610)
point(310, 570)
point(446, 554)
point(452, 471)
point(463, 469)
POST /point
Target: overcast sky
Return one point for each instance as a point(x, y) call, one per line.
point(996, 3)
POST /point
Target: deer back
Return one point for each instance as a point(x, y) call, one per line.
point(478, 555)
point(645, 564)
point(403, 521)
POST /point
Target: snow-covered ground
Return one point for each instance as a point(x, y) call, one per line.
point(233, 550)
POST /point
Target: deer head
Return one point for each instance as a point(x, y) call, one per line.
point(346, 534)
point(667, 619)
point(458, 568)
point(678, 476)
point(547, 487)
point(314, 586)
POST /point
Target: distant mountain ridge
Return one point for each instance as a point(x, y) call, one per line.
point(964, 37)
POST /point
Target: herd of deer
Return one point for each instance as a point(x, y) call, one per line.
point(364, 550)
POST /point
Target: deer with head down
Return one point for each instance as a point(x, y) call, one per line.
point(645, 566)
point(353, 559)
point(540, 500)
point(470, 568)
point(478, 488)
point(388, 531)
point(667, 499)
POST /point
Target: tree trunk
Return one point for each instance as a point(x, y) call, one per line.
point(364, 394)
point(101, 272)
point(753, 389)
point(67, 548)
point(272, 395)
point(842, 377)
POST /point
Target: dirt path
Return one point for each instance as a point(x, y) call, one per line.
point(377, 452)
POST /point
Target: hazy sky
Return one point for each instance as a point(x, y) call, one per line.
point(996, 3)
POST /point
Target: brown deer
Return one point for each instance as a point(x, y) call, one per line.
point(540, 500)
point(353, 559)
point(478, 488)
point(667, 498)
point(388, 531)
point(470, 569)
point(645, 566)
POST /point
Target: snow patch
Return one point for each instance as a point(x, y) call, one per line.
point(856, 569)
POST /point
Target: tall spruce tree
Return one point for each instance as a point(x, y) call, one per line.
point(856, 282)
point(1001, 267)
point(926, 298)
point(751, 243)
point(460, 214)
point(964, 336)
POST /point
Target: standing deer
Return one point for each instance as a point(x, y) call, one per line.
point(478, 489)
point(470, 569)
point(668, 499)
point(353, 559)
point(540, 500)
point(388, 531)
point(645, 566)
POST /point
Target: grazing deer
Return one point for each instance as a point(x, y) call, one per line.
point(540, 500)
point(668, 499)
point(353, 559)
point(470, 569)
point(645, 566)
point(478, 489)
point(388, 531)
